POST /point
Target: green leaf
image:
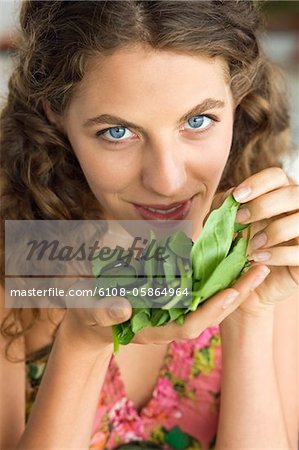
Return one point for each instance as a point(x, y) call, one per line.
point(151, 264)
point(175, 313)
point(169, 267)
point(116, 333)
point(214, 242)
point(224, 274)
point(127, 334)
point(180, 244)
point(240, 227)
point(138, 301)
point(186, 283)
point(98, 265)
point(217, 259)
point(140, 319)
point(159, 317)
point(181, 319)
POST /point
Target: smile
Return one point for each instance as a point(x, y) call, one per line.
point(177, 211)
point(163, 211)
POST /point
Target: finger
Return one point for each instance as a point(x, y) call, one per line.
point(111, 311)
point(211, 312)
point(278, 231)
point(277, 256)
point(281, 201)
point(256, 227)
point(221, 305)
point(264, 181)
point(100, 311)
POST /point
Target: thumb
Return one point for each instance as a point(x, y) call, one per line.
point(111, 311)
point(120, 310)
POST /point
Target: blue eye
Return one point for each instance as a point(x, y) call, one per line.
point(115, 134)
point(199, 122)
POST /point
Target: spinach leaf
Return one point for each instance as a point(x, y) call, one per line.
point(126, 335)
point(224, 274)
point(151, 263)
point(180, 244)
point(140, 319)
point(215, 239)
point(159, 317)
point(213, 263)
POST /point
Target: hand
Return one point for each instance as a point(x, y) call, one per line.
point(93, 324)
point(90, 319)
point(271, 207)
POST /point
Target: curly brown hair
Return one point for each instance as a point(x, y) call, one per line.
point(41, 177)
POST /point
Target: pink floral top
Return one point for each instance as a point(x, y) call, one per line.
point(183, 411)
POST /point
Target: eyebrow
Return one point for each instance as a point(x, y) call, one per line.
point(208, 103)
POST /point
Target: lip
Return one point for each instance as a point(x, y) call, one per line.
point(178, 214)
point(171, 205)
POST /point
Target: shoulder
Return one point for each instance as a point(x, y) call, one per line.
point(286, 358)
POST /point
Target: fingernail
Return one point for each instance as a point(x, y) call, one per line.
point(258, 241)
point(242, 193)
point(116, 311)
point(260, 278)
point(261, 256)
point(229, 299)
point(243, 215)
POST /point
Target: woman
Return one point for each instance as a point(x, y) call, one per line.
point(115, 108)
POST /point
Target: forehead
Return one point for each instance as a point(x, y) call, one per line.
point(144, 76)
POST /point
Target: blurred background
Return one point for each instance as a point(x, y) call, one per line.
point(280, 42)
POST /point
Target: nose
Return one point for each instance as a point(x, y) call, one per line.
point(164, 168)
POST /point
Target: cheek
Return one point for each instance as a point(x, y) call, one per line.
point(213, 153)
point(106, 171)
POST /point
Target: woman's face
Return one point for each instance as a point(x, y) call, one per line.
point(152, 129)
